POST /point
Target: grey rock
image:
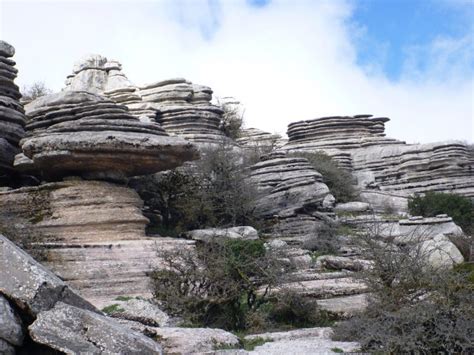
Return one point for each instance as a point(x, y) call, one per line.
point(302, 341)
point(140, 310)
point(29, 285)
point(73, 330)
point(215, 234)
point(6, 348)
point(352, 207)
point(11, 326)
point(6, 49)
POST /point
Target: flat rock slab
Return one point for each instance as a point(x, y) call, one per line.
point(77, 331)
point(301, 342)
point(29, 285)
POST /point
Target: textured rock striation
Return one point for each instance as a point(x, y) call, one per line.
point(80, 133)
point(93, 233)
point(384, 164)
point(184, 109)
point(256, 139)
point(12, 118)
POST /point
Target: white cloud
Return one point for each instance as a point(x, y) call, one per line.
point(287, 61)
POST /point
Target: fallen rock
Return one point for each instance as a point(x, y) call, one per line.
point(215, 234)
point(73, 330)
point(11, 326)
point(440, 252)
point(139, 310)
point(29, 285)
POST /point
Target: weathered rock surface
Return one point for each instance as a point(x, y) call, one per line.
point(301, 341)
point(359, 144)
point(12, 118)
point(11, 326)
point(82, 133)
point(73, 330)
point(30, 286)
point(138, 310)
point(193, 340)
point(260, 141)
point(216, 234)
point(93, 233)
point(287, 185)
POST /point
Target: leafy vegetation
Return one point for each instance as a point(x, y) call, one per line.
point(229, 285)
point(460, 208)
point(414, 307)
point(213, 192)
point(339, 181)
point(113, 308)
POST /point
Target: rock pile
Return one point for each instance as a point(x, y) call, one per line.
point(12, 119)
point(40, 314)
point(80, 133)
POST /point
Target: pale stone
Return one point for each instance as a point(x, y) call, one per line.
point(73, 330)
point(216, 234)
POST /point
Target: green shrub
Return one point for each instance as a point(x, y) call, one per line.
point(339, 181)
point(460, 208)
point(413, 307)
point(212, 192)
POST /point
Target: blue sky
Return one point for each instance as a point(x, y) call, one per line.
point(285, 60)
point(391, 28)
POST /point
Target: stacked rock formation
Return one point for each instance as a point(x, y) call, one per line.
point(80, 133)
point(359, 144)
point(184, 109)
point(12, 118)
point(292, 194)
point(94, 231)
point(254, 138)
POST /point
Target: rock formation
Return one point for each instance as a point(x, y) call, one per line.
point(181, 107)
point(184, 109)
point(384, 164)
point(254, 138)
point(12, 119)
point(80, 133)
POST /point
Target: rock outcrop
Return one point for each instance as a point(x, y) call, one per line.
point(256, 139)
point(79, 133)
point(12, 118)
point(383, 164)
point(93, 233)
point(184, 109)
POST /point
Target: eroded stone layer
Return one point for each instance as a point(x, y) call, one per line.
point(93, 233)
point(12, 118)
point(359, 144)
point(82, 133)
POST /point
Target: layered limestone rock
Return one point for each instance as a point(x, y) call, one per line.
point(93, 233)
point(184, 109)
point(12, 118)
point(256, 139)
point(288, 185)
point(80, 133)
point(383, 164)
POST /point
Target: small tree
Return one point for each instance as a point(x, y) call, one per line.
point(460, 208)
point(35, 90)
point(414, 307)
point(339, 181)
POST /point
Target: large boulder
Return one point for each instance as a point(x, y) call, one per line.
point(85, 134)
point(30, 286)
point(73, 330)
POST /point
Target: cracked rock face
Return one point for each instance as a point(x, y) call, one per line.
point(85, 134)
point(30, 286)
point(12, 118)
point(74, 330)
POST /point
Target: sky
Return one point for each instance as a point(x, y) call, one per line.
point(285, 60)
